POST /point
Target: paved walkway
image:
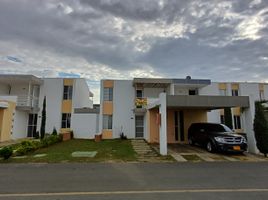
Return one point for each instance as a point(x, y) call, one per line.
point(184, 152)
point(145, 153)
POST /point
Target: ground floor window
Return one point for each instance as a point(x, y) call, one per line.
point(66, 120)
point(107, 122)
point(32, 124)
point(237, 122)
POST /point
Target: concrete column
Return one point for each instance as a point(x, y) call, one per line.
point(163, 126)
point(248, 116)
point(172, 89)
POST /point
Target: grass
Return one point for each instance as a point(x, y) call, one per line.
point(108, 151)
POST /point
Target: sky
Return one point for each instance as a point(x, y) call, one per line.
point(221, 40)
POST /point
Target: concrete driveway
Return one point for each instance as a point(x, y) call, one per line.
point(185, 152)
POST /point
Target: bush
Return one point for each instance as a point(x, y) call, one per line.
point(54, 132)
point(123, 136)
point(6, 152)
point(261, 128)
point(37, 135)
point(51, 139)
point(27, 146)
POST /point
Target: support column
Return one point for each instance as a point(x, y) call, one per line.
point(172, 89)
point(248, 116)
point(163, 126)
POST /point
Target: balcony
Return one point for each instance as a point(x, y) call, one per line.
point(27, 103)
point(140, 105)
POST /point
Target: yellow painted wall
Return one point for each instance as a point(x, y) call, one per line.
point(235, 86)
point(107, 108)
point(68, 81)
point(108, 83)
point(107, 134)
point(154, 127)
point(222, 86)
point(6, 121)
point(66, 106)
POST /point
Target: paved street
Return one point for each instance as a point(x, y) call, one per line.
point(221, 180)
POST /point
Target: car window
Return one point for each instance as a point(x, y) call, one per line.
point(216, 128)
point(226, 128)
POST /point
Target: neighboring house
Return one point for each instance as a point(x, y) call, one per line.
point(27, 92)
point(161, 110)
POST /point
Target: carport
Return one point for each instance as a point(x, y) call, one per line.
point(195, 107)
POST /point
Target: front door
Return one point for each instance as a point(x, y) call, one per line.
point(32, 124)
point(139, 126)
point(179, 126)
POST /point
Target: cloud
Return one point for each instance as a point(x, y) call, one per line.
point(124, 39)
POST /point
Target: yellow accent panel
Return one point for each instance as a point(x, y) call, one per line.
point(6, 120)
point(236, 111)
point(108, 83)
point(107, 108)
point(193, 116)
point(68, 81)
point(65, 130)
point(154, 127)
point(66, 106)
point(222, 86)
point(235, 86)
point(261, 86)
point(107, 134)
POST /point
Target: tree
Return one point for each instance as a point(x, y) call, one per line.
point(43, 122)
point(228, 120)
point(261, 128)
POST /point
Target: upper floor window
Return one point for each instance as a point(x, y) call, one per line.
point(223, 92)
point(235, 92)
point(108, 94)
point(67, 92)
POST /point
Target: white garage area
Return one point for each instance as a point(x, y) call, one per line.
point(85, 125)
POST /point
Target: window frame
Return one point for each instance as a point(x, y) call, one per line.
point(66, 120)
point(237, 122)
point(235, 92)
point(67, 92)
point(107, 125)
point(108, 94)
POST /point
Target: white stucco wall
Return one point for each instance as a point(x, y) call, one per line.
point(85, 125)
point(20, 125)
point(81, 94)
point(123, 103)
point(53, 90)
point(212, 89)
point(19, 89)
point(153, 92)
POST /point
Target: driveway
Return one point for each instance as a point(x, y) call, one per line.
point(185, 152)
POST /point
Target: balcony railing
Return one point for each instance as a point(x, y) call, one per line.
point(27, 101)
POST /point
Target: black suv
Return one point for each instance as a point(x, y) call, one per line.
point(216, 137)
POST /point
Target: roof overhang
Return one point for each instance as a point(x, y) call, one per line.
point(18, 78)
point(207, 102)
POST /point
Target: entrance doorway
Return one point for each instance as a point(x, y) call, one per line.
point(32, 125)
point(139, 126)
point(179, 126)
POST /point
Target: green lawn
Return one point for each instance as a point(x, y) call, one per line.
point(108, 151)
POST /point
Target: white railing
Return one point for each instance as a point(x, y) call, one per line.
point(27, 101)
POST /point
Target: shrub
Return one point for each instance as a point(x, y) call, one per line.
point(54, 132)
point(51, 139)
point(27, 146)
point(37, 135)
point(6, 152)
point(123, 136)
point(228, 117)
point(261, 128)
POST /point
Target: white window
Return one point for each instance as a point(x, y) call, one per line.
point(223, 92)
point(108, 94)
point(107, 122)
point(66, 120)
point(67, 92)
point(235, 92)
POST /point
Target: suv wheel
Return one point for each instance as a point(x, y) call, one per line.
point(210, 147)
point(190, 141)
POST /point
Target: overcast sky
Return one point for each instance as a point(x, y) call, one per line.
point(95, 39)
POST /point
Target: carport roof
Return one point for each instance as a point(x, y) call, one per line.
point(207, 102)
